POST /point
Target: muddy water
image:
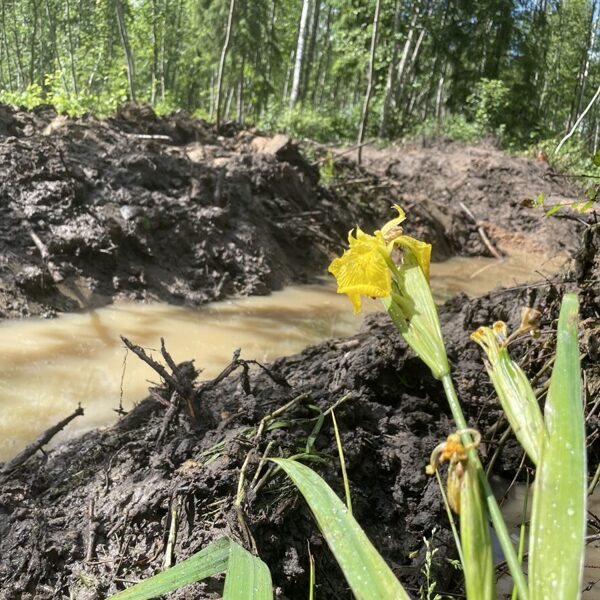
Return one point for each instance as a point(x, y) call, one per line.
point(48, 366)
point(512, 509)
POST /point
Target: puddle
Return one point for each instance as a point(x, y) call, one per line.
point(48, 366)
point(512, 510)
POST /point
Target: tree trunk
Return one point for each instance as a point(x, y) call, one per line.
point(34, 5)
point(21, 80)
point(52, 26)
point(311, 49)
point(71, 48)
point(585, 67)
point(126, 49)
point(222, 61)
point(240, 93)
point(295, 93)
point(365, 111)
point(154, 73)
point(390, 84)
point(323, 62)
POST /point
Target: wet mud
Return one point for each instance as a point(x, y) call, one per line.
point(141, 207)
point(93, 515)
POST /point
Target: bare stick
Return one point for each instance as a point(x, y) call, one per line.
point(41, 441)
point(168, 418)
point(141, 354)
point(52, 268)
point(484, 238)
point(92, 531)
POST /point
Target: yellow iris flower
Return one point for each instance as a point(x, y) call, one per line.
point(365, 269)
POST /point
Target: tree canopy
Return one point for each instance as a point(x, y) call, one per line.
point(522, 69)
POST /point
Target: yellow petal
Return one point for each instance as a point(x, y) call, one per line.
point(394, 222)
point(362, 269)
point(420, 250)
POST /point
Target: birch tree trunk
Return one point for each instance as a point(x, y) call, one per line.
point(312, 42)
point(71, 48)
point(365, 111)
point(222, 62)
point(294, 94)
point(390, 84)
point(126, 48)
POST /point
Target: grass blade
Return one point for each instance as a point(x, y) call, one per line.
point(247, 572)
point(248, 578)
point(366, 572)
point(557, 539)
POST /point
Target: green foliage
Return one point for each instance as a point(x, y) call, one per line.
point(366, 572)
point(488, 105)
point(522, 71)
point(306, 123)
point(453, 127)
point(247, 577)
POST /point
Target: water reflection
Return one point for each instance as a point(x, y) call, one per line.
point(48, 366)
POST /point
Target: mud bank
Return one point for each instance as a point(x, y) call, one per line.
point(94, 514)
point(141, 207)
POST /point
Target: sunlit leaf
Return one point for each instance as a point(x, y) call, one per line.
point(247, 577)
point(553, 210)
point(366, 572)
point(557, 537)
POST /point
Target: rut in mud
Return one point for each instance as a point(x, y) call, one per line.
point(93, 515)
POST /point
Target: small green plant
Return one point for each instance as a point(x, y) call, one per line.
point(427, 589)
point(246, 576)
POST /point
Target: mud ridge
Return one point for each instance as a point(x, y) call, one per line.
point(141, 207)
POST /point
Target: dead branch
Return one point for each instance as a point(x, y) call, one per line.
point(482, 234)
point(171, 413)
point(30, 450)
point(141, 354)
point(45, 254)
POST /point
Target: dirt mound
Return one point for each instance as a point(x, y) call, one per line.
point(161, 208)
point(144, 207)
point(492, 185)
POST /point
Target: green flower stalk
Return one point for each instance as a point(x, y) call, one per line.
point(513, 388)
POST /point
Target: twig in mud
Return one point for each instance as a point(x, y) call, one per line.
point(171, 413)
point(120, 411)
point(141, 354)
point(45, 254)
point(278, 379)
point(150, 136)
point(92, 531)
point(175, 508)
point(30, 450)
point(226, 372)
point(168, 358)
point(482, 234)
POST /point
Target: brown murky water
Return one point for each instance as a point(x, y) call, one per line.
point(48, 366)
point(512, 509)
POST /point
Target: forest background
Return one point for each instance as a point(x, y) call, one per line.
point(520, 70)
